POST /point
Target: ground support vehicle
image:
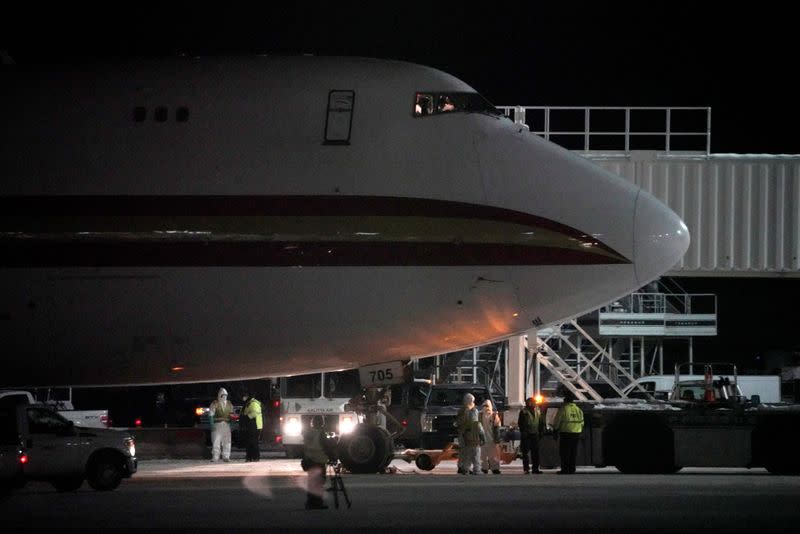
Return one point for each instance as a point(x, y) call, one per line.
point(325, 394)
point(436, 434)
point(39, 444)
point(638, 436)
point(707, 422)
point(767, 387)
point(60, 399)
point(428, 459)
point(439, 415)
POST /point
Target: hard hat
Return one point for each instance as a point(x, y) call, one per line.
point(221, 392)
point(469, 398)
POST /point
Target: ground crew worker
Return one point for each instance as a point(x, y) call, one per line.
point(568, 425)
point(490, 421)
point(530, 428)
point(470, 437)
point(251, 423)
point(315, 459)
point(220, 411)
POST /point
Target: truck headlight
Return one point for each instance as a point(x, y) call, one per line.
point(346, 424)
point(427, 423)
point(131, 446)
point(292, 427)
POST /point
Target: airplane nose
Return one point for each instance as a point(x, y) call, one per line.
point(660, 238)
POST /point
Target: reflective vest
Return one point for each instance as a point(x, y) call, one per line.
point(569, 419)
point(253, 411)
point(529, 420)
point(222, 412)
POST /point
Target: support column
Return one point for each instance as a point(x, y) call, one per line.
point(516, 386)
point(642, 356)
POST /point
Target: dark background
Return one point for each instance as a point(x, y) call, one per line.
point(741, 62)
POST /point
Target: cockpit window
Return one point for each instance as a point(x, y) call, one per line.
point(426, 103)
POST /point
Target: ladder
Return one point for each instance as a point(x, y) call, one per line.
point(480, 365)
point(565, 374)
point(572, 378)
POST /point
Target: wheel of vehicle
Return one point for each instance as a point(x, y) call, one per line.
point(64, 484)
point(365, 450)
point(424, 462)
point(105, 473)
point(775, 445)
point(640, 444)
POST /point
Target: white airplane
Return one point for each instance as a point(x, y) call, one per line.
point(229, 218)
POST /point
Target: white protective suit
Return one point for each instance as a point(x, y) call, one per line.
point(220, 410)
point(490, 457)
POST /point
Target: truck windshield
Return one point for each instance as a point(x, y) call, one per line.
point(343, 384)
point(340, 385)
point(303, 386)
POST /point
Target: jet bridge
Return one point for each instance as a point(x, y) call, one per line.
point(742, 210)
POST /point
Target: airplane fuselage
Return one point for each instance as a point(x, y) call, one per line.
point(217, 218)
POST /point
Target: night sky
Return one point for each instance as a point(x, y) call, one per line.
point(741, 62)
point(656, 53)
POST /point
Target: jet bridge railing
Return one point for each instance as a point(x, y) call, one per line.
point(659, 303)
point(618, 128)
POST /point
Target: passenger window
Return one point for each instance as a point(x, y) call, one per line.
point(339, 119)
point(139, 114)
point(161, 114)
point(182, 114)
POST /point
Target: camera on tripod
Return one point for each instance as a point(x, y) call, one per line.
point(336, 466)
point(337, 484)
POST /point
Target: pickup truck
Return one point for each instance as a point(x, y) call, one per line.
point(443, 404)
point(36, 443)
point(61, 400)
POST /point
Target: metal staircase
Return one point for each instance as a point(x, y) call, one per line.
point(480, 365)
point(589, 360)
point(632, 330)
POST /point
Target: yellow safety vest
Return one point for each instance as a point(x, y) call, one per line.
point(253, 411)
point(569, 419)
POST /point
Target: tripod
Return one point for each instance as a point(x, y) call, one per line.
point(337, 484)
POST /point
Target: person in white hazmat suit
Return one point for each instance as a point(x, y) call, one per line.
point(221, 410)
point(490, 420)
point(470, 437)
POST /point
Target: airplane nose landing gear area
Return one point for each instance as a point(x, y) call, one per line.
point(368, 449)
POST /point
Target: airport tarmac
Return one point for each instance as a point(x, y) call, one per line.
point(182, 494)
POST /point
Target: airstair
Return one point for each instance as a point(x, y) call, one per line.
point(575, 376)
point(630, 332)
point(480, 365)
